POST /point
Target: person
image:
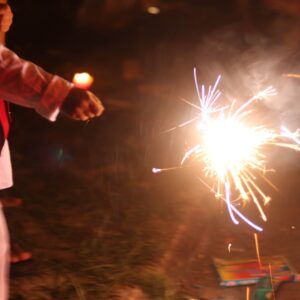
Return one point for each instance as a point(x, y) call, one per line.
point(26, 84)
point(17, 253)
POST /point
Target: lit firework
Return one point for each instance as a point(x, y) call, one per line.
point(232, 148)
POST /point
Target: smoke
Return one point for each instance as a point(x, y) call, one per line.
point(249, 62)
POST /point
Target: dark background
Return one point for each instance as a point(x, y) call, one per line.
point(149, 57)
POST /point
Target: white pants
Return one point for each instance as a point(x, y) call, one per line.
point(4, 257)
point(5, 182)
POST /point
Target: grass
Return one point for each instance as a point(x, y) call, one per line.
point(88, 240)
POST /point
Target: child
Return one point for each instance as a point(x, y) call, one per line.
point(26, 84)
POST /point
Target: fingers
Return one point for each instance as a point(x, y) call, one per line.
point(95, 107)
point(89, 108)
point(81, 114)
point(82, 105)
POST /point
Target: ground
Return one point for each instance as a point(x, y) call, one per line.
point(85, 248)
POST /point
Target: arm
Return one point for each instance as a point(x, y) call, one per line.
point(26, 84)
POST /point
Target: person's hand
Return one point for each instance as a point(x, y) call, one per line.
point(6, 17)
point(82, 105)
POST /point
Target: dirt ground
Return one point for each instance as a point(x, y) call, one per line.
point(200, 232)
point(205, 235)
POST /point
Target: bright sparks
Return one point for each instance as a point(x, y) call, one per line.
point(232, 148)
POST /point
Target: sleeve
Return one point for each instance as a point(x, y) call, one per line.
point(26, 84)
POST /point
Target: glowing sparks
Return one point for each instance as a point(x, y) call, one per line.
point(294, 136)
point(227, 192)
point(231, 147)
point(155, 170)
point(292, 75)
point(248, 293)
point(257, 249)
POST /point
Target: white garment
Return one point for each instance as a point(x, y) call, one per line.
point(4, 257)
point(6, 179)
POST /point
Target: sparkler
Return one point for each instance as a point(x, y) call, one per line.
point(292, 75)
point(233, 148)
point(83, 81)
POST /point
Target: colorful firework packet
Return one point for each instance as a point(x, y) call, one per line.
point(250, 271)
